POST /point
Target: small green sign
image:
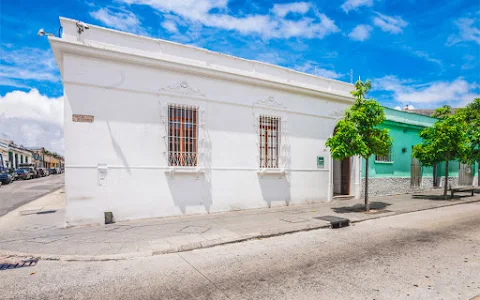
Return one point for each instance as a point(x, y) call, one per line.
point(320, 162)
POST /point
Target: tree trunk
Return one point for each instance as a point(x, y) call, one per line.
point(478, 177)
point(367, 205)
point(445, 188)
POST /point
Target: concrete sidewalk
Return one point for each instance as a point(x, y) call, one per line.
point(37, 229)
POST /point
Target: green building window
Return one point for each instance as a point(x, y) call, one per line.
point(384, 158)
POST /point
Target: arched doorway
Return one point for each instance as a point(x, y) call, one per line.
point(342, 177)
point(345, 178)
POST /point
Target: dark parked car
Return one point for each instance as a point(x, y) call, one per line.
point(52, 171)
point(24, 173)
point(5, 177)
point(31, 168)
point(42, 172)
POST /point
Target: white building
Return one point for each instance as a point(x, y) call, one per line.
point(155, 128)
point(14, 155)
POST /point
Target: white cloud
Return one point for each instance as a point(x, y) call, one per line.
point(271, 58)
point(326, 73)
point(406, 107)
point(424, 55)
point(458, 92)
point(12, 83)
point(122, 20)
point(360, 32)
point(354, 4)
point(470, 62)
point(33, 64)
point(272, 25)
point(390, 24)
point(469, 31)
point(427, 57)
point(32, 119)
point(170, 26)
point(310, 67)
point(282, 10)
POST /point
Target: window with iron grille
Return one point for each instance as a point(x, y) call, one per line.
point(182, 135)
point(384, 158)
point(269, 141)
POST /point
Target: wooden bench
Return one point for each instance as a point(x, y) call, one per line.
point(461, 189)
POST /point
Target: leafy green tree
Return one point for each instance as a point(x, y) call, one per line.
point(445, 141)
point(471, 115)
point(358, 133)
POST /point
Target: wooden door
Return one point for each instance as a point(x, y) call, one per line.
point(465, 175)
point(416, 173)
point(345, 185)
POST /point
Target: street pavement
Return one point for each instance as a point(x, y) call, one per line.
point(38, 228)
point(20, 192)
point(432, 254)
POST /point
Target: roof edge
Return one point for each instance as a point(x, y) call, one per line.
point(268, 66)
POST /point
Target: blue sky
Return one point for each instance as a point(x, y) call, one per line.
point(421, 53)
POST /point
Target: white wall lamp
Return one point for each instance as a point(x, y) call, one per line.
point(42, 32)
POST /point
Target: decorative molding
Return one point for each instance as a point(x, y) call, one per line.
point(182, 88)
point(116, 54)
point(266, 171)
point(270, 101)
point(172, 171)
point(337, 113)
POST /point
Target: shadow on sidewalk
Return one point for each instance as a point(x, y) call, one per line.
point(360, 208)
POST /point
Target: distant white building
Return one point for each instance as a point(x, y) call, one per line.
point(14, 155)
point(155, 128)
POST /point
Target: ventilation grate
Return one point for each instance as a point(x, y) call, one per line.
point(335, 222)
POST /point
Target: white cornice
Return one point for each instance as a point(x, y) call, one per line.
point(108, 52)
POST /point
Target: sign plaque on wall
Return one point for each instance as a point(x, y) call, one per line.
point(82, 118)
point(102, 174)
point(320, 162)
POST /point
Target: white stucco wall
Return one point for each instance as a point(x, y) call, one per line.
point(128, 98)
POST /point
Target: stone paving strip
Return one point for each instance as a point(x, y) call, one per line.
point(30, 232)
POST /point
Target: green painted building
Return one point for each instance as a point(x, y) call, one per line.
point(399, 172)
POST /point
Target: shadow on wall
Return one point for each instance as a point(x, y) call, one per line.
point(187, 190)
point(118, 150)
point(275, 189)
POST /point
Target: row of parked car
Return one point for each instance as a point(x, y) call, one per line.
point(26, 172)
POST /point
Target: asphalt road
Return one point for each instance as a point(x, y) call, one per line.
point(433, 254)
point(20, 192)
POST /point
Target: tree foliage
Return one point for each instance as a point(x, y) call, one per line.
point(471, 116)
point(358, 133)
point(446, 140)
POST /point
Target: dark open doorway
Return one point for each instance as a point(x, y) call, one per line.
point(341, 177)
point(345, 190)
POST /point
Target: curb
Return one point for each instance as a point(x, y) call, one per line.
point(210, 243)
point(404, 212)
point(60, 257)
point(238, 239)
point(166, 250)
